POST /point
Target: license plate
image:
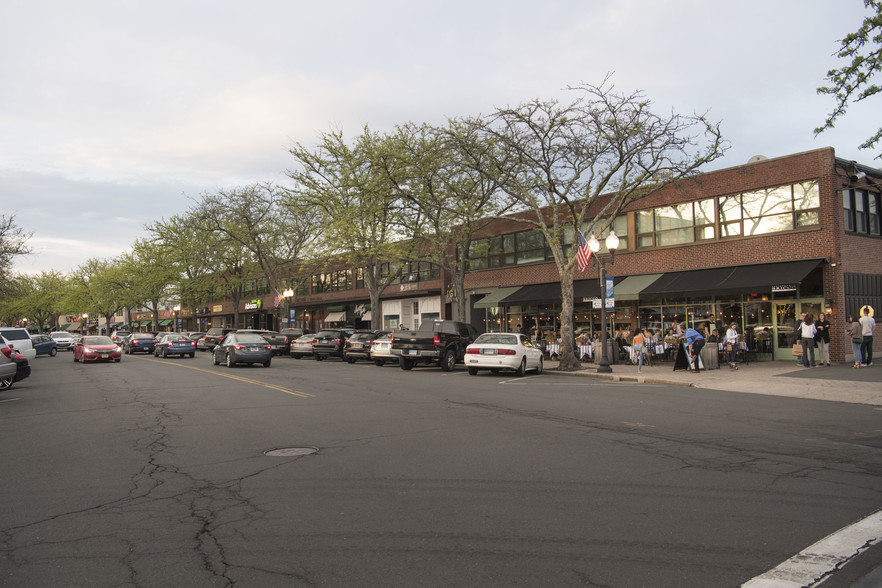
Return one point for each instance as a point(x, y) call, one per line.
point(105, 355)
point(412, 352)
point(488, 352)
point(356, 345)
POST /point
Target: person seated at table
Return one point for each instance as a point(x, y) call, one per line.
point(714, 337)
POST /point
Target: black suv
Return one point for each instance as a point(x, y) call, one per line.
point(212, 337)
point(359, 345)
point(330, 343)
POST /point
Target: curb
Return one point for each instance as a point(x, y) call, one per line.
point(622, 378)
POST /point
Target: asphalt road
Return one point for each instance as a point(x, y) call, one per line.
point(152, 472)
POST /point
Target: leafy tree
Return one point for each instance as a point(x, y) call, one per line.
point(451, 176)
point(862, 53)
point(347, 187)
point(99, 287)
point(147, 275)
point(579, 164)
point(13, 243)
point(41, 298)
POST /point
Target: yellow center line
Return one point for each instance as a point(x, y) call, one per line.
point(232, 377)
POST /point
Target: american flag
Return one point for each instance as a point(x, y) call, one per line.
point(584, 253)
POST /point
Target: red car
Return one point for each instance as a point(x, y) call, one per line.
point(92, 348)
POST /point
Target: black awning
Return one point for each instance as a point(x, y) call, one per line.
point(585, 289)
point(534, 293)
point(731, 279)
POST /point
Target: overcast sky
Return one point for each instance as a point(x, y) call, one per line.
point(113, 113)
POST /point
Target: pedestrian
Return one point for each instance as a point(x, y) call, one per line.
point(796, 331)
point(694, 342)
point(732, 345)
point(823, 339)
point(854, 332)
point(807, 336)
point(639, 343)
point(868, 323)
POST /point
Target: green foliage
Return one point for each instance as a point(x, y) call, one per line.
point(862, 53)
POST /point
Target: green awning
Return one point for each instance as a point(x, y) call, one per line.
point(631, 287)
point(64, 327)
point(146, 323)
point(492, 299)
point(165, 322)
point(338, 308)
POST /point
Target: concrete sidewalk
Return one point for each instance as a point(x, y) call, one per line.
point(836, 383)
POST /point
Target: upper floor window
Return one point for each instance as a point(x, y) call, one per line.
point(861, 210)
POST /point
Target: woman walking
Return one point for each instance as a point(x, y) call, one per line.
point(732, 345)
point(639, 342)
point(823, 339)
point(808, 332)
point(855, 333)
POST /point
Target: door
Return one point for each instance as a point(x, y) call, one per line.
point(785, 330)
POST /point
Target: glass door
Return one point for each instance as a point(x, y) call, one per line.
point(785, 330)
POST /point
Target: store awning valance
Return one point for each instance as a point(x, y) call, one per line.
point(731, 279)
point(631, 287)
point(493, 298)
point(146, 323)
point(335, 317)
point(367, 316)
point(165, 322)
point(534, 293)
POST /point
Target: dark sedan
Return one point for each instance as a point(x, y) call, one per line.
point(243, 348)
point(45, 345)
point(358, 346)
point(136, 342)
point(330, 343)
point(175, 344)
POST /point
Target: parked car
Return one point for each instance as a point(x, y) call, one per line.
point(212, 337)
point(438, 342)
point(118, 336)
point(292, 334)
point(302, 346)
point(11, 367)
point(95, 348)
point(242, 348)
point(330, 343)
point(358, 346)
point(277, 341)
point(195, 335)
point(503, 351)
point(136, 342)
point(63, 340)
point(44, 345)
point(381, 350)
point(20, 340)
point(175, 344)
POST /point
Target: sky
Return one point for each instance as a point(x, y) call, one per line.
point(118, 113)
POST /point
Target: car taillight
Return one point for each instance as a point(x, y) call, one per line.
point(392, 340)
point(238, 347)
point(192, 343)
point(437, 341)
point(506, 352)
point(473, 351)
point(7, 351)
point(337, 341)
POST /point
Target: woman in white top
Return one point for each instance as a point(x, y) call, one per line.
point(732, 345)
point(808, 340)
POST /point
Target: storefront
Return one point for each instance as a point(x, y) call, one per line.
point(409, 313)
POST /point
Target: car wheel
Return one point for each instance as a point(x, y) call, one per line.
point(296, 355)
point(267, 363)
point(53, 352)
point(192, 355)
point(230, 362)
point(473, 371)
point(116, 361)
point(164, 353)
point(75, 358)
point(350, 360)
point(319, 358)
point(6, 383)
point(522, 369)
point(379, 362)
point(448, 361)
point(214, 359)
point(540, 368)
point(406, 364)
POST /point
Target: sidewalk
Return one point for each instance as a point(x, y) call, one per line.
point(837, 383)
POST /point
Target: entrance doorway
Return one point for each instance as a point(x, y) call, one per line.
point(786, 316)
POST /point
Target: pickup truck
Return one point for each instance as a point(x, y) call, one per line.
point(435, 342)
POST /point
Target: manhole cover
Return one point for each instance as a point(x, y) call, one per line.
point(290, 451)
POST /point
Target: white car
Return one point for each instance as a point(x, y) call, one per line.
point(63, 339)
point(302, 346)
point(20, 340)
point(503, 351)
point(381, 350)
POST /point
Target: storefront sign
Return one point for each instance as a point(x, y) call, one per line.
point(254, 305)
point(408, 286)
point(217, 308)
point(785, 288)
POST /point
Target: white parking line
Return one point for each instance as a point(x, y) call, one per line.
point(815, 562)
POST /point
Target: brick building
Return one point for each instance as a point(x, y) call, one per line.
point(756, 244)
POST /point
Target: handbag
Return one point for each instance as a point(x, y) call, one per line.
point(797, 349)
point(728, 347)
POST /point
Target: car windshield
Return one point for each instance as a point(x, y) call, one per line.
point(497, 339)
point(361, 337)
point(327, 334)
point(386, 337)
point(142, 336)
point(97, 341)
point(305, 338)
point(60, 335)
point(16, 335)
point(249, 338)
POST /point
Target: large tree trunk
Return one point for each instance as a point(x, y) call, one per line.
point(568, 360)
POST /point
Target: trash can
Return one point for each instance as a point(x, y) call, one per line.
point(710, 356)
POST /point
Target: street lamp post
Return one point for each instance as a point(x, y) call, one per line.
point(85, 326)
point(287, 295)
point(612, 243)
point(177, 309)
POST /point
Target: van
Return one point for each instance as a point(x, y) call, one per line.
point(20, 340)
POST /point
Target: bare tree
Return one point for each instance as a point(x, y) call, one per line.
point(580, 164)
